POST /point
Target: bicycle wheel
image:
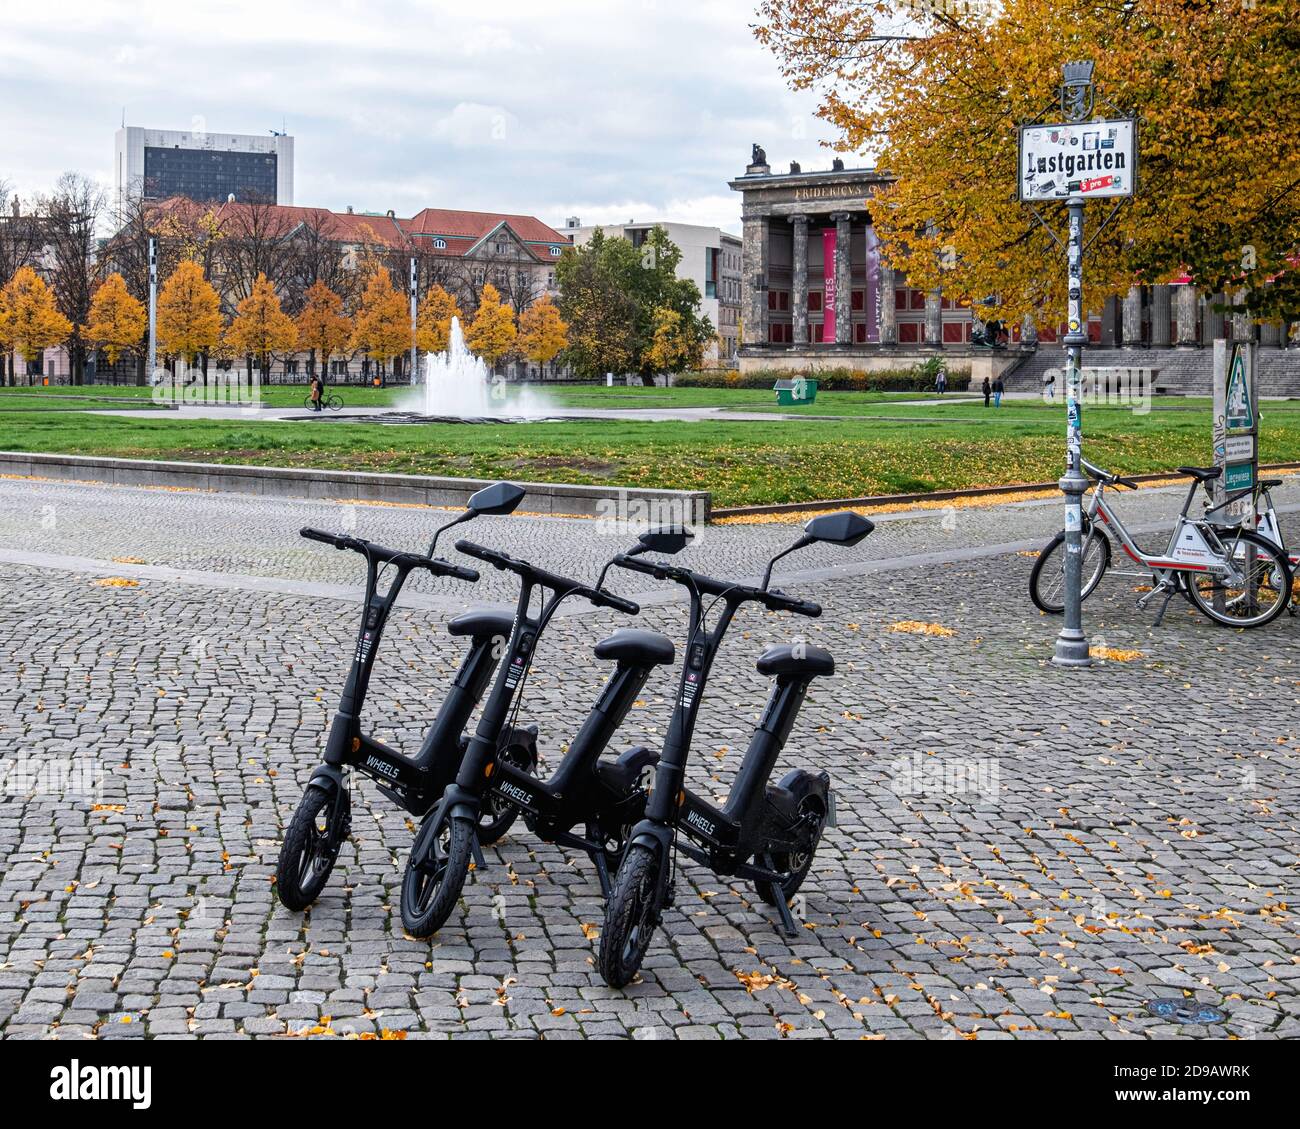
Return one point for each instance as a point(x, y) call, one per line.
point(334, 403)
point(632, 915)
point(1257, 596)
point(1047, 581)
point(431, 886)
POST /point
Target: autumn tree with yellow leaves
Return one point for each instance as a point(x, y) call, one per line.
point(260, 327)
point(189, 314)
point(382, 325)
point(433, 322)
point(30, 321)
point(491, 335)
point(323, 328)
point(543, 333)
point(118, 320)
point(673, 346)
point(1216, 87)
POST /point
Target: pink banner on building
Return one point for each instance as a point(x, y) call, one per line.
point(828, 286)
point(874, 297)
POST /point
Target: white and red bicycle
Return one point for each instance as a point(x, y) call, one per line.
point(1237, 576)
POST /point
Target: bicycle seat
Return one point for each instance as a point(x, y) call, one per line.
point(622, 775)
point(1269, 483)
point(1201, 473)
point(802, 660)
point(636, 647)
point(486, 623)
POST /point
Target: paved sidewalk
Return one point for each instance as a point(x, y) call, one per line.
point(1021, 852)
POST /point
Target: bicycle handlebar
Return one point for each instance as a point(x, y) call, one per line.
point(1104, 476)
point(773, 600)
point(552, 580)
point(385, 555)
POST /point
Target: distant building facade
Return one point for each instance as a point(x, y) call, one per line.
point(202, 165)
point(816, 292)
point(711, 258)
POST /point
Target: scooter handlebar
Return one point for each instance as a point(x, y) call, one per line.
point(554, 581)
point(772, 600)
point(385, 555)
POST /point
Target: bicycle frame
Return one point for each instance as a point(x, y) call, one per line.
point(1194, 544)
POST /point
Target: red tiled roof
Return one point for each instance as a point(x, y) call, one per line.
point(461, 230)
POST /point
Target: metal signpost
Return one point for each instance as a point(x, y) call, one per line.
point(415, 357)
point(153, 308)
point(1070, 162)
point(1236, 426)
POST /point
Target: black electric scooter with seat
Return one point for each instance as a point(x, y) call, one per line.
point(606, 797)
point(765, 833)
point(323, 818)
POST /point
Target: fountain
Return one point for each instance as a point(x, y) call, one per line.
point(457, 383)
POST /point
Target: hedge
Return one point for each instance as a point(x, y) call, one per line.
point(916, 379)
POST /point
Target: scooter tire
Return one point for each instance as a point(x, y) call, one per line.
point(430, 898)
point(309, 851)
point(632, 915)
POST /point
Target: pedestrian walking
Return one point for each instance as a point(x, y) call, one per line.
point(941, 381)
point(1049, 384)
point(315, 393)
point(998, 389)
point(987, 389)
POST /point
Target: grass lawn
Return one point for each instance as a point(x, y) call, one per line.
point(880, 446)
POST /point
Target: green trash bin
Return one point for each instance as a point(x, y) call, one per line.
point(790, 393)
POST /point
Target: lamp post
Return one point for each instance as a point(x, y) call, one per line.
point(153, 309)
point(415, 359)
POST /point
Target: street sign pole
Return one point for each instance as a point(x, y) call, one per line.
point(415, 358)
point(153, 308)
point(1236, 426)
point(1072, 643)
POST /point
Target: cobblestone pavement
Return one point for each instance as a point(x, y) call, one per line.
point(1020, 852)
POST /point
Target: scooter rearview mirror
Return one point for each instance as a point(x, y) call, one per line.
point(843, 528)
point(666, 539)
point(499, 498)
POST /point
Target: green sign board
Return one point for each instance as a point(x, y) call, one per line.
point(1239, 476)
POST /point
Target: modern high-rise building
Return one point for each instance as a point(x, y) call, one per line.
point(203, 165)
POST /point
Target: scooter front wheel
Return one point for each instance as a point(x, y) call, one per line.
point(311, 846)
point(435, 874)
point(632, 914)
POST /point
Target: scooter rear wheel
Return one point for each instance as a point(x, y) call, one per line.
point(430, 891)
point(311, 847)
point(797, 863)
point(632, 914)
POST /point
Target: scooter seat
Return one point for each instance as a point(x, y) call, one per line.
point(636, 647)
point(802, 660)
point(485, 623)
point(622, 774)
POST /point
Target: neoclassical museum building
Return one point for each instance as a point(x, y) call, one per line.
point(806, 304)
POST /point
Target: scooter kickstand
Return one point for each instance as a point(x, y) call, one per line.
point(602, 872)
point(788, 926)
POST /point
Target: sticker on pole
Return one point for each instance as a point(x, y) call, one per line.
point(1239, 414)
point(1086, 159)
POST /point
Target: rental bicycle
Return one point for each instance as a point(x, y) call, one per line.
point(1234, 575)
point(333, 401)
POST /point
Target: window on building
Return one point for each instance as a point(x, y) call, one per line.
point(857, 299)
point(440, 244)
point(917, 299)
point(909, 332)
point(900, 299)
point(814, 301)
point(291, 368)
point(555, 251)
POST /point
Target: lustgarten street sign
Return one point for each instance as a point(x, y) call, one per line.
point(1087, 159)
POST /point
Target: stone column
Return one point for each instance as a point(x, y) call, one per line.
point(888, 311)
point(799, 288)
point(1132, 328)
point(756, 237)
point(1186, 306)
point(934, 319)
point(1028, 332)
point(843, 278)
point(1211, 320)
point(1160, 311)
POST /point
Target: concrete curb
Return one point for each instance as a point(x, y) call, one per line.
point(933, 496)
point(625, 504)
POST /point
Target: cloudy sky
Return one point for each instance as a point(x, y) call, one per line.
point(604, 109)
